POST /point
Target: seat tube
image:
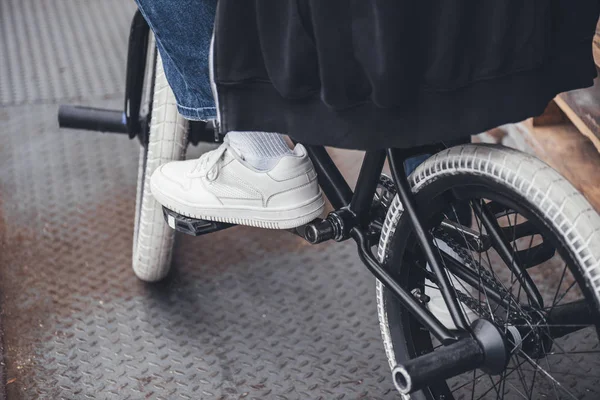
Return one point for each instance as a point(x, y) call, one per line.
point(366, 185)
point(330, 178)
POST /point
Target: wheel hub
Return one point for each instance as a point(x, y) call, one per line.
point(529, 335)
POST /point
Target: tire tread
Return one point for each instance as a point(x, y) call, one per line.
point(153, 239)
point(555, 198)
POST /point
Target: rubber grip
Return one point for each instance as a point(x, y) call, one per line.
point(92, 119)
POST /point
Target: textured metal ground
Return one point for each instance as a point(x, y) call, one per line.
point(246, 313)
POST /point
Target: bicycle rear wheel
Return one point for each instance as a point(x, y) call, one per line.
point(550, 229)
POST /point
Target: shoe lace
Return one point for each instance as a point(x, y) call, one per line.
point(209, 161)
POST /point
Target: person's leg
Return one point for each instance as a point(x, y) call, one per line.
point(183, 31)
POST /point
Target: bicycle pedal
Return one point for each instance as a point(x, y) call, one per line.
point(192, 226)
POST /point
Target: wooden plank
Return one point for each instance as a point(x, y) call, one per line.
point(566, 150)
point(582, 107)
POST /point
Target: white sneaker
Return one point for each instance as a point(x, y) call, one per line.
point(221, 186)
point(436, 303)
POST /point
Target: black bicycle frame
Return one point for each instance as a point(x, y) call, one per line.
point(355, 207)
point(358, 204)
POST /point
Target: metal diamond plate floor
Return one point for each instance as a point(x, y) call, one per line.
point(246, 313)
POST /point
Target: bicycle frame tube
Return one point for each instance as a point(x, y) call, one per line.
point(503, 248)
point(366, 185)
point(358, 204)
point(330, 178)
point(425, 239)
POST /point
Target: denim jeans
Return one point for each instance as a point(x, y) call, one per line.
point(183, 31)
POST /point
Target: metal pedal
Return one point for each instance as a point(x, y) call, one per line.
point(191, 226)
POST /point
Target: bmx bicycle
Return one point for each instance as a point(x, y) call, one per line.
point(507, 246)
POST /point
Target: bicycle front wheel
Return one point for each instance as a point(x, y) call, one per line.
point(552, 234)
point(168, 137)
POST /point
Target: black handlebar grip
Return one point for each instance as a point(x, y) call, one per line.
point(93, 119)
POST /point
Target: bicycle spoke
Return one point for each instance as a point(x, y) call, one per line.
point(501, 380)
point(553, 384)
point(504, 383)
point(522, 380)
point(518, 391)
point(513, 281)
point(533, 380)
point(576, 364)
point(555, 325)
point(508, 291)
point(547, 375)
point(573, 352)
point(514, 254)
point(494, 386)
point(492, 316)
point(474, 383)
point(470, 255)
point(562, 277)
point(565, 293)
point(586, 376)
point(529, 360)
point(468, 383)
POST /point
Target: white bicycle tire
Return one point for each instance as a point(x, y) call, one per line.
point(153, 239)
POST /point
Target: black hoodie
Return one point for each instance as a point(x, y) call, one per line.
point(396, 73)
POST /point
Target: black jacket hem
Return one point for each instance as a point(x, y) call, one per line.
point(431, 117)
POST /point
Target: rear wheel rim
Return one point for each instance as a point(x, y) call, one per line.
point(419, 343)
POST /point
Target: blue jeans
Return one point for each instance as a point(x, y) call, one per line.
point(183, 31)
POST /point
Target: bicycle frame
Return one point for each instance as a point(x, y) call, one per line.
point(355, 207)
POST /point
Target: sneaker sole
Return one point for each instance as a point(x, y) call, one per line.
point(288, 218)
